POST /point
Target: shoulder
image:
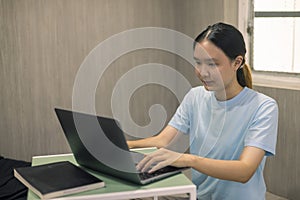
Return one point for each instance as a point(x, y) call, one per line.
point(259, 98)
point(263, 104)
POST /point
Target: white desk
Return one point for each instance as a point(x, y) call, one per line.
point(118, 189)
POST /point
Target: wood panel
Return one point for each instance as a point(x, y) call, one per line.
point(43, 43)
point(282, 172)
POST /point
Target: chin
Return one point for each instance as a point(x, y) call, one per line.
point(208, 88)
point(213, 88)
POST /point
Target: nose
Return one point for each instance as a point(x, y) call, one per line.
point(202, 70)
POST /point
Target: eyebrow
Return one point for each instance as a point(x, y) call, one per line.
point(207, 60)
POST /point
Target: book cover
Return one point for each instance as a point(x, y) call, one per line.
point(57, 179)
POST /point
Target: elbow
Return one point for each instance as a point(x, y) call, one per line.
point(246, 174)
point(244, 178)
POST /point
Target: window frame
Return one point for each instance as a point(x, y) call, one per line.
point(276, 79)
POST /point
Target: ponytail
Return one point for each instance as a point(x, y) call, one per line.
point(244, 76)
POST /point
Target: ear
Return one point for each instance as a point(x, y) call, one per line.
point(237, 62)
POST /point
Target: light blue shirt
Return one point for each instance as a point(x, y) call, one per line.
point(221, 130)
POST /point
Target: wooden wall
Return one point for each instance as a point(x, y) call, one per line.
point(44, 42)
point(282, 172)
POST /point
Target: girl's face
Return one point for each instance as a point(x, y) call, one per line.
point(215, 70)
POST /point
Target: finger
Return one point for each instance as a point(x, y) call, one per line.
point(158, 166)
point(151, 163)
point(152, 159)
point(141, 164)
point(165, 160)
point(146, 159)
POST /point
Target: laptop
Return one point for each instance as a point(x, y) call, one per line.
point(98, 143)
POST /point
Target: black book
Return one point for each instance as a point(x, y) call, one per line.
point(57, 179)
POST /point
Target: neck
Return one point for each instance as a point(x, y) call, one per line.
point(228, 93)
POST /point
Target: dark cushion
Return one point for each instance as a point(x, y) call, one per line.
point(10, 187)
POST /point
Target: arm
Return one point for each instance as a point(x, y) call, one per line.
point(160, 140)
point(234, 170)
point(240, 170)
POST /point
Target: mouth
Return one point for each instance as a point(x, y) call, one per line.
point(207, 83)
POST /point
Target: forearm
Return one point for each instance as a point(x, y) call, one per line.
point(161, 140)
point(232, 170)
point(240, 170)
point(147, 142)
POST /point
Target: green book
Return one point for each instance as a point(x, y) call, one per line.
point(57, 179)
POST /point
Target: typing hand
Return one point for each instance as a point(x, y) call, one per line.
point(159, 159)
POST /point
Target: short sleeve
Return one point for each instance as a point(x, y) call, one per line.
point(182, 117)
point(262, 132)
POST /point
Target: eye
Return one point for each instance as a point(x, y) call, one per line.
point(198, 62)
point(212, 64)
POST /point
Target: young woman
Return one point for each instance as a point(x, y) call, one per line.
point(232, 128)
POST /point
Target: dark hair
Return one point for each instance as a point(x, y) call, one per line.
point(231, 42)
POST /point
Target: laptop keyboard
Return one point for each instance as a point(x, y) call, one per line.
point(146, 175)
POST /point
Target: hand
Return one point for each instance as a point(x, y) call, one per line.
point(159, 159)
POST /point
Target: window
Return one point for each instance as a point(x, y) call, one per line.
point(276, 36)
